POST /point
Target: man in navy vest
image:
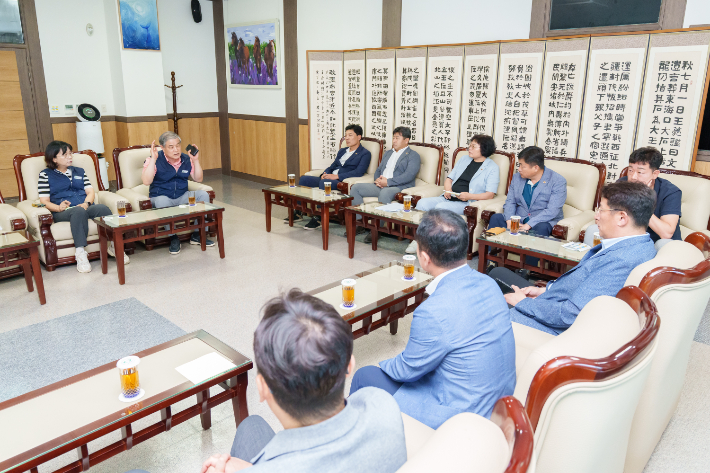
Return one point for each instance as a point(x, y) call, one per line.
point(166, 172)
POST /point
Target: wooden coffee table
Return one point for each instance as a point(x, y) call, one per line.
point(379, 289)
point(400, 224)
point(547, 249)
point(19, 248)
point(306, 200)
point(64, 416)
point(147, 224)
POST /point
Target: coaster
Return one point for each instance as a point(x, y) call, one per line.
point(348, 308)
point(122, 216)
point(132, 399)
point(192, 205)
point(408, 280)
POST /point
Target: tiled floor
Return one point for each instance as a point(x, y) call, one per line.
point(201, 291)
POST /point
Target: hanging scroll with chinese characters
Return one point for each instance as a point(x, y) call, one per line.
point(379, 106)
point(325, 114)
point(615, 74)
point(562, 91)
point(480, 76)
point(354, 89)
point(443, 101)
point(672, 95)
point(518, 95)
point(410, 90)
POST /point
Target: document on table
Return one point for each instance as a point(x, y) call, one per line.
point(205, 367)
point(393, 207)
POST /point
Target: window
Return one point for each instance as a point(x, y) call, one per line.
point(10, 24)
point(579, 17)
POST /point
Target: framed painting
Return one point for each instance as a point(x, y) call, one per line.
point(139, 24)
point(252, 52)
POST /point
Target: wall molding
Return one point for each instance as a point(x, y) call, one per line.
point(195, 115)
point(118, 118)
point(303, 121)
point(257, 118)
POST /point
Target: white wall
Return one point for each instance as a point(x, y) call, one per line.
point(464, 21)
point(328, 24)
point(188, 49)
point(697, 12)
point(76, 65)
point(267, 102)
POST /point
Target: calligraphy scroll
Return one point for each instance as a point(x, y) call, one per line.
point(411, 90)
point(562, 91)
point(379, 105)
point(325, 114)
point(672, 95)
point(354, 89)
point(611, 102)
point(480, 76)
point(444, 69)
point(518, 95)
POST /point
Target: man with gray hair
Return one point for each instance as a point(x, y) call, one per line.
point(166, 172)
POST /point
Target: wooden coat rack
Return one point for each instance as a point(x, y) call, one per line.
point(174, 89)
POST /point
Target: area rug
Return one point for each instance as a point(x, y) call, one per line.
point(41, 354)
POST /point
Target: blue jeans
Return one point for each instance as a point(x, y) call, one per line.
point(441, 202)
point(373, 376)
point(542, 229)
point(315, 181)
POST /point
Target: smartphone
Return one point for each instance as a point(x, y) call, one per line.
point(192, 149)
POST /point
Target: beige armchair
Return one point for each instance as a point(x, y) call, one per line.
point(585, 180)
point(429, 179)
point(11, 219)
point(695, 203)
point(128, 163)
point(581, 388)
point(56, 243)
point(678, 282)
point(375, 147)
point(469, 443)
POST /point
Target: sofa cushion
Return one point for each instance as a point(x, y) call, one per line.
point(695, 202)
point(582, 181)
point(676, 254)
point(130, 163)
point(31, 167)
point(430, 164)
point(503, 163)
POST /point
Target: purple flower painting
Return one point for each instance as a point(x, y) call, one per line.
point(253, 54)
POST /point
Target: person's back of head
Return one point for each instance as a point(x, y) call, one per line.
point(302, 348)
point(637, 200)
point(443, 236)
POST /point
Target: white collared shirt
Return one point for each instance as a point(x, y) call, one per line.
point(432, 285)
point(392, 162)
point(609, 242)
point(344, 158)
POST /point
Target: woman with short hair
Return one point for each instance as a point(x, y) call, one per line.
point(67, 192)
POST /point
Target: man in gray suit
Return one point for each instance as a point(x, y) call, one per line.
point(398, 170)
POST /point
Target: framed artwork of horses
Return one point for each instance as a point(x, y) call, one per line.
point(139, 24)
point(252, 49)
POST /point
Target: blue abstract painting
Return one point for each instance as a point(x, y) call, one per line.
point(253, 54)
point(139, 24)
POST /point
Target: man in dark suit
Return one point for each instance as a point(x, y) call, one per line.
point(352, 161)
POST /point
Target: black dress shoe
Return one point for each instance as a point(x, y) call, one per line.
point(297, 215)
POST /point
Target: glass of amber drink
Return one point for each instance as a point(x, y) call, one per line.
point(292, 180)
point(191, 198)
point(407, 203)
point(409, 267)
point(128, 372)
point(121, 205)
point(348, 292)
point(326, 188)
point(597, 239)
point(514, 224)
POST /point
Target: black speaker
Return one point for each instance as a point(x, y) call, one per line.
point(88, 113)
point(196, 11)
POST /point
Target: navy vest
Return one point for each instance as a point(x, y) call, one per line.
point(167, 182)
point(62, 188)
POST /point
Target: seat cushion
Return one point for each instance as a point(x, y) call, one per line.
point(62, 230)
point(676, 254)
point(430, 164)
point(503, 163)
point(582, 181)
point(416, 434)
point(527, 340)
point(130, 163)
point(695, 202)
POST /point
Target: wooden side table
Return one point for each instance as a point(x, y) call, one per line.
point(19, 248)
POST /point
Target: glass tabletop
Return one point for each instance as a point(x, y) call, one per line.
point(76, 407)
point(11, 239)
point(146, 216)
point(374, 288)
point(310, 193)
point(545, 245)
point(413, 216)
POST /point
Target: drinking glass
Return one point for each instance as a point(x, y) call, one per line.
point(409, 267)
point(514, 224)
point(128, 372)
point(348, 292)
point(326, 188)
point(121, 205)
point(292, 180)
point(407, 203)
point(191, 198)
point(597, 239)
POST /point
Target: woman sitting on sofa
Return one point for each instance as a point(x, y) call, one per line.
point(66, 192)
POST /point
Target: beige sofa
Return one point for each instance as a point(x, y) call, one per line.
point(678, 282)
point(585, 180)
point(375, 147)
point(581, 388)
point(469, 443)
point(11, 219)
point(56, 243)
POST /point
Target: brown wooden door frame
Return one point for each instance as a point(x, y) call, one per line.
point(32, 84)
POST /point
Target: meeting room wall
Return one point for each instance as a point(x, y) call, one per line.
point(697, 12)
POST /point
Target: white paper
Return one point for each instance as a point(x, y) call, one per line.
point(205, 367)
point(394, 207)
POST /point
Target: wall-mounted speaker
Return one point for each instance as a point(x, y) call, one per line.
point(196, 11)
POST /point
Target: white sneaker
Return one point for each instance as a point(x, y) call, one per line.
point(112, 252)
point(82, 262)
point(412, 248)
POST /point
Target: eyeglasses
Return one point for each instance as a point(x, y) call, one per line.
point(599, 209)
